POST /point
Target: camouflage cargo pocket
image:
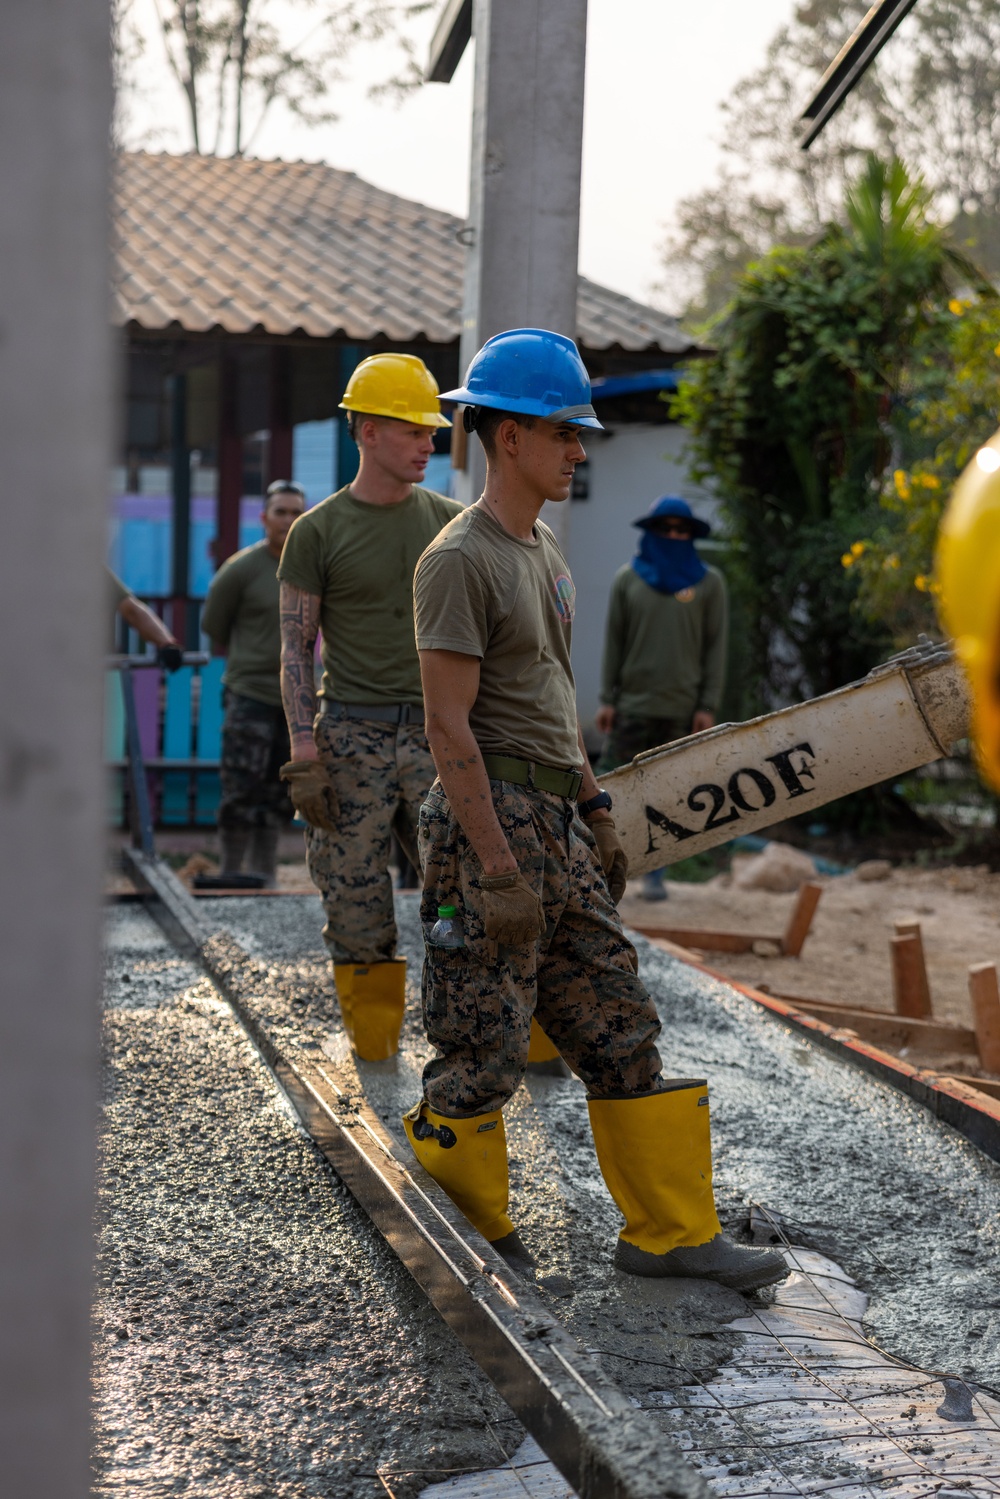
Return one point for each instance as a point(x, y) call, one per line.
point(460, 1008)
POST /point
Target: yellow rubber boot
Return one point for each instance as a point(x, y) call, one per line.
point(655, 1155)
point(540, 1048)
point(372, 999)
point(543, 1054)
point(468, 1159)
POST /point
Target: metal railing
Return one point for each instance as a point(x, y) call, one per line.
point(140, 813)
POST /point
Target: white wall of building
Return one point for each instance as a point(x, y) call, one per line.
point(628, 469)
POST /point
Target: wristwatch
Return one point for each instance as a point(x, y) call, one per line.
point(596, 804)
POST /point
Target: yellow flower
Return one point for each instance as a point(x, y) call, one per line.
point(927, 481)
point(857, 547)
point(956, 307)
point(920, 583)
point(847, 560)
point(902, 483)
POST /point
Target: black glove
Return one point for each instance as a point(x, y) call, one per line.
point(170, 657)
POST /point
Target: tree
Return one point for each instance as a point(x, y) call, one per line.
point(930, 98)
point(796, 420)
point(952, 84)
point(233, 59)
point(127, 47)
point(893, 561)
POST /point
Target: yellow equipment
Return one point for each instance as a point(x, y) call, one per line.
point(396, 385)
point(968, 575)
point(468, 1159)
point(655, 1154)
point(372, 999)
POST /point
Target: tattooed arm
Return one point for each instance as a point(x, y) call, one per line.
point(299, 628)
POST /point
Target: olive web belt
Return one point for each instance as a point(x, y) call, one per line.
point(519, 772)
point(397, 713)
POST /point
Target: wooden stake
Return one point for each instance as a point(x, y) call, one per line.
point(985, 997)
point(801, 919)
point(909, 976)
point(911, 928)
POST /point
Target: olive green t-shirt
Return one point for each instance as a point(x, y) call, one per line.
point(664, 654)
point(241, 618)
point(359, 559)
point(482, 592)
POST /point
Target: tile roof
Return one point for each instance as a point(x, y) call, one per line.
point(286, 247)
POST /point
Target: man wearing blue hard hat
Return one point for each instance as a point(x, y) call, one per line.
point(665, 644)
point(522, 865)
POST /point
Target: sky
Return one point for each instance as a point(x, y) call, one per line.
point(657, 72)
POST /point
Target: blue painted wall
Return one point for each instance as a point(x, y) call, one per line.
point(140, 529)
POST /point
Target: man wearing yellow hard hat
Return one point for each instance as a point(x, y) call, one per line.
point(360, 765)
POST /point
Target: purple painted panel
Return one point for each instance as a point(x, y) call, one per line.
point(157, 507)
point(147, 709)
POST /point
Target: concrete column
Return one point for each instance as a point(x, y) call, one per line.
point(55, 418)
point(524, 201)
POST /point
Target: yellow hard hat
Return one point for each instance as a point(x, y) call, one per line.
point(968, 576)
point(398, 385)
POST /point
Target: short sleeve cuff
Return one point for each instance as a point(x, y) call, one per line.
point(444, 643)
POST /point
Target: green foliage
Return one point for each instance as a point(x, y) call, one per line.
point(893, 561)
point(794, 420)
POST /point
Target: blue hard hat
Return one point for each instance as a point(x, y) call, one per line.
point(672, 504)
point(531, 372)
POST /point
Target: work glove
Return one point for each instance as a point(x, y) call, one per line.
point(312, 793)
point(170, 657)
point(512, 912)
point(611, 854)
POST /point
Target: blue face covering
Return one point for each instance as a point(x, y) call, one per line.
point(668, 564)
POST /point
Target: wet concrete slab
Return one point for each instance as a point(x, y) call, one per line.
point(905, 1205)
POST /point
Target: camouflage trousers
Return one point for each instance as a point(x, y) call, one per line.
point(632, 736)
point(254, 748)
point(579, 978)
point(381, 775)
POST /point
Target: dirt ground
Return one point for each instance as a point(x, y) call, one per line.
point(846, 955)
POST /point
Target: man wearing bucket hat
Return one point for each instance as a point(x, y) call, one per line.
point(519, 847)
point(665, 644)
point(360, 765)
